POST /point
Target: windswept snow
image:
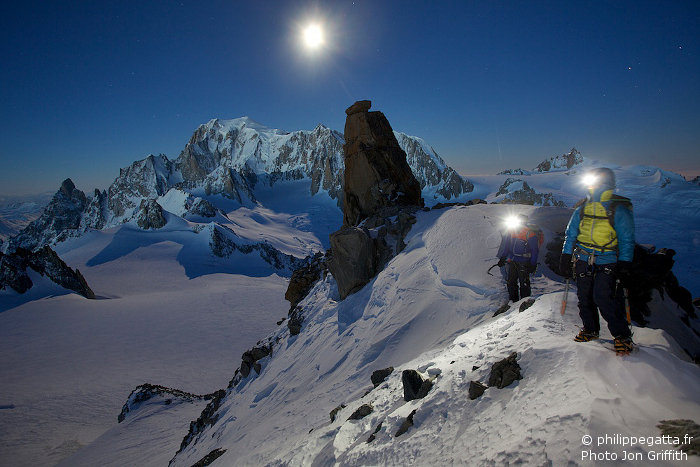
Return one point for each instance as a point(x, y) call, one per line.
point(431, 309)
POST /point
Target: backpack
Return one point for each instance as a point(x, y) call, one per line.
point(532, 231)
point(615, 201)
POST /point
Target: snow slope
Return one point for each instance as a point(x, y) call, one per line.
point(162, 316)
point(431, 310)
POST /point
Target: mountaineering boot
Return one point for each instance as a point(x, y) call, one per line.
point(586, 336)
point(623, 345)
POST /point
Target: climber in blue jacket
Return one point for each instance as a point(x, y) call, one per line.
point(598, 252)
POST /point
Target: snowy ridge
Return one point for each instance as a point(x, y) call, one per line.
point(429, 311)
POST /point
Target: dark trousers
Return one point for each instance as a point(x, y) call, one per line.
point(598, 290)
point(517, 276)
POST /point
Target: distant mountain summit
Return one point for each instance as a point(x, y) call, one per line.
point(559, 163)
point(562, 162)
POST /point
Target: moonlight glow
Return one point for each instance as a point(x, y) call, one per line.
point(313, 36)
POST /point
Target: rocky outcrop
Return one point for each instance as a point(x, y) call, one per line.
point(207, 418)
point(334, 412)
point(303, 279)
point(376, 172)
point(381, 196)
point(352, 260)
point(226, 182)
point(361, 412)
point(476, 389)
point(150, 215)
point(505, 372)
point(406, 424)
point(14, 271)
point(148, 391)
point(300, 284)
point(414, 386)
point(250, 359)
point(373, 436)
point(379, 376)
point(296, 319)
point(526, 304)
point(223, 244)
point(209, 458)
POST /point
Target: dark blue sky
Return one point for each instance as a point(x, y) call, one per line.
point(91, 86)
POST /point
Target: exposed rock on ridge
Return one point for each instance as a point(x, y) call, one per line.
point(376, 172)
point(150, 215)
point(148, 391)
point(45, 261)
point(380, 196)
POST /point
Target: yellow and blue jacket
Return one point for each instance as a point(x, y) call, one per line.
point(591, 232)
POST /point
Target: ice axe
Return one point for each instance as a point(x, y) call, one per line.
point(627, 305)
point(566, 297)
point(489, 270)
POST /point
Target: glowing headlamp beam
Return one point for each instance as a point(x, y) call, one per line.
point(513, 222)
point(590, 180)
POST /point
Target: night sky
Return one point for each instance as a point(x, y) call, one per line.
point(90, 86)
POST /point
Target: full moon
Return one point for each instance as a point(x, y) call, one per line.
point(313, 36)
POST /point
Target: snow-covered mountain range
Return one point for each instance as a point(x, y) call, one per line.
point(188, 259)
point(229, 164)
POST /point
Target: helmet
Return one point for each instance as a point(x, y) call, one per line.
point(601, 177)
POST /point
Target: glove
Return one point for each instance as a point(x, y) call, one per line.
point(565, 267)
point(501, 262)
point(531, 268)
point(624, 272)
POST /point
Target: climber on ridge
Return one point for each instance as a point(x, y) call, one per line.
point(598, 252)
point(518, 251)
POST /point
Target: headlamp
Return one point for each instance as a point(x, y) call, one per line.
point(590, 180)
point(513, 222)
